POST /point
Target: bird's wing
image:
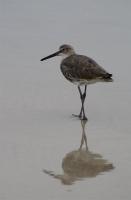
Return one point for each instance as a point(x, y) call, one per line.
point(83, 67)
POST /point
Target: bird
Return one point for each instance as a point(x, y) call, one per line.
point(80, 70)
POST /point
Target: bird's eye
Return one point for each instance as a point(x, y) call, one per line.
point(63, 50)
point(66, 49)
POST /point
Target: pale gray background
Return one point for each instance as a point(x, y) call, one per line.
point(36, 102)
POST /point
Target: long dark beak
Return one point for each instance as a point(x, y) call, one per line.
point(50, 56)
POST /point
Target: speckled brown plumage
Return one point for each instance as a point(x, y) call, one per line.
point(78, 68)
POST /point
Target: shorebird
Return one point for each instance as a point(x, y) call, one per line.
point(80, 70)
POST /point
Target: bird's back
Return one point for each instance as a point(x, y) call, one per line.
point(78, 68)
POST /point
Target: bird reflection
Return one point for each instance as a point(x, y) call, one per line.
point(81, 163)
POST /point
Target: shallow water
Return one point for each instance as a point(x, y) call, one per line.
point(39, 138)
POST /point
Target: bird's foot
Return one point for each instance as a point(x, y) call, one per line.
point(80, 117)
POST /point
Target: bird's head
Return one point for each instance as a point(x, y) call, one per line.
point(65, 50)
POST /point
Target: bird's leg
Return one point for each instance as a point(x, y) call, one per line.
point(82, 97)
point(82, 101)
point(80, 92)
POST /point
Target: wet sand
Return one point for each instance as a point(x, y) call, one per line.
point(39, 138)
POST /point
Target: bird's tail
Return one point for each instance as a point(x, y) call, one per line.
point(107, 77)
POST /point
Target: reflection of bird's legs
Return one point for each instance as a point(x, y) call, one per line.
point(82, 141)
point(84, 138)
point(83, 123)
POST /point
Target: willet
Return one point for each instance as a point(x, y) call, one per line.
point(80, 70)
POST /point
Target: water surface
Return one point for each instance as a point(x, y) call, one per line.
point(37, 131)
